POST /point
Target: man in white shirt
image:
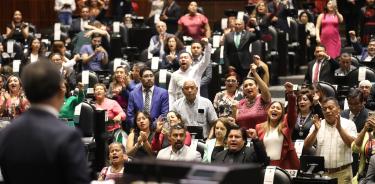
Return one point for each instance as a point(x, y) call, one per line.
point(195, 110)
point(333, 137)
point(188, 71)
point(178, 150)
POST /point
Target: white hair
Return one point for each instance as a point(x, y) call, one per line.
point(365, 83)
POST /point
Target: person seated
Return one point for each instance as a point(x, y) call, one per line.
point(17, 30)
point(67, 73)
point(172, 47)
point(367, 54)
point(216, 140)
point(238, 152)
point(78, 24)
point(178, 150)
point(13, 102)
point(345, 62)
point(94, 56)
point(71, 101)
point(368, 94)
point(194, 24)
point(160, 140)
point(58, 46)
point(117, 158)
point(114, 111)
point(120, 88)
point(140, 138)
point(156, 46)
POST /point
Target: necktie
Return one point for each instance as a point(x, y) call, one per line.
point(147, 100)
point(316, 72)
point(237, 39)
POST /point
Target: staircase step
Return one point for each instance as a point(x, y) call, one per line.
point(295, 79)
point(277, 92)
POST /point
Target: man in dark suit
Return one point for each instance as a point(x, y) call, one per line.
point(238, 152)
point(236, 48)
point(147, 97)
point(322, 68)
point(170, 15)
point(66, 73)
point(358, 114)
point(79, 23)
point(357, 111)
point(37, 147)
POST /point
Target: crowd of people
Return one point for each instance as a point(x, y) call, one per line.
point(242, 123)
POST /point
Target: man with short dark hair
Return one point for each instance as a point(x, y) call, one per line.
point(345, 62)
point(37, 147)
point(94, 56)
point(178, 150)
point(357, 111)
point(198, 56)
point(322, 68)
point(238, 152)
point(147, 97)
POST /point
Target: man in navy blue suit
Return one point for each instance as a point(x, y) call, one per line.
point(147, 97)
point(37, 147)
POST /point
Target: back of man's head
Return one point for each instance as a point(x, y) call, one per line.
point(41, 81)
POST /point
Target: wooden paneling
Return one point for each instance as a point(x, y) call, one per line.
point(41, 13)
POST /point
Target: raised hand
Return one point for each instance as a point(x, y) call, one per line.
point(316, 122)
point(252, 133)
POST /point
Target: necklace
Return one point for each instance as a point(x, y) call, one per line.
point(250, 103)
point(302, 123)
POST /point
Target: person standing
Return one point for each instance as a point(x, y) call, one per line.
point(55, 152)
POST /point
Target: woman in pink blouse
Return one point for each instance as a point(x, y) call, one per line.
point(114, 111)
point(251, 110)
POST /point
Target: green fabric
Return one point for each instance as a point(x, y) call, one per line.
point(67, 110)
point(362, 157)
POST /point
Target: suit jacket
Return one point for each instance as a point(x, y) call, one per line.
point(327, 71)
point(360, 120)
point(159, 103)
point(289, 159)
point(173, 13)
point(238, 57)
point(38, 148)
point(252, 154)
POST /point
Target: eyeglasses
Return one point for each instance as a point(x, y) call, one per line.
point(230, 81)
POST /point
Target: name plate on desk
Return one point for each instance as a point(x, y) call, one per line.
point(292, 172)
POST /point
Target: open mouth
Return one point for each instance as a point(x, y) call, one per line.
point(274, 115)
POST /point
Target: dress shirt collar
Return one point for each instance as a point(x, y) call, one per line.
point(151, 89)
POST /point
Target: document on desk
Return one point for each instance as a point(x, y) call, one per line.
point(269, 175)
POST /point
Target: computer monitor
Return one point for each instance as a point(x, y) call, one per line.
point(196, 131)
point(190, 172)
point(311, 164)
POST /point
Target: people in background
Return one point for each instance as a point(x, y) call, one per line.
point(162, 130)
point(120, 87)
point(14, 101)
point(94, 56)
point(251, 110)
point(114, 111)
point(238, 152)
point(140, 138)
point(276, 132)
point(336, 133)
point(198, 56)
point(178, 150)
point(216, 141)
point(17, 29)
point(345, 62)
point(170, 15)
point(226, 101)
point(368, 94)
point(65, 9)
point(172, 48)
point(156, 46)
point(71, 101)
point(304, 116)
point(194, 24)
point(327, 29)
point(194, 109)
point(117, 158)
